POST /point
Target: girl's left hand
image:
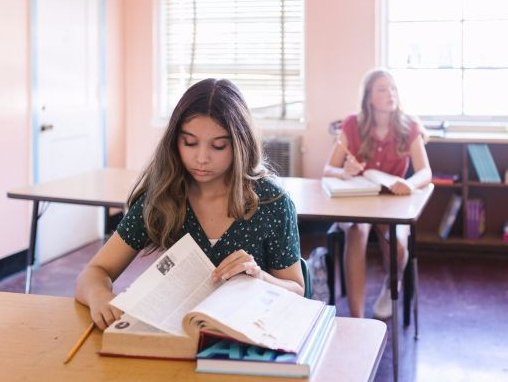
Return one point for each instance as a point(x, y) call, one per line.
point(402, 187)
point(237, 262)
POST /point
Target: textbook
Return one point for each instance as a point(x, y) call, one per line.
point(483, 162)
point(370, 182)
point(222, 355)
point(449, 216)
point(168, 306)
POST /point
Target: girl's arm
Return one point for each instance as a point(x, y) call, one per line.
point(341, 164)
point(290, 278)
point(94, 285)
point(422, 172)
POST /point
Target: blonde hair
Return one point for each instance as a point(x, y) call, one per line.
point(165, 180)
point(399, 120)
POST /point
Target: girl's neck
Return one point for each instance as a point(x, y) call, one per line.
point(209, 190)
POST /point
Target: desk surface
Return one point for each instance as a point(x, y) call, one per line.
point(312, 203)
point(108, 187)
point(37, 332)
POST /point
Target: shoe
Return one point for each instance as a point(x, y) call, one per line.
point(382, 308)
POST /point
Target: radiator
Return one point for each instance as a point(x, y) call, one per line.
point(283, 152)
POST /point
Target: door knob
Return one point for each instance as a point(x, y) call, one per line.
point(46, 126)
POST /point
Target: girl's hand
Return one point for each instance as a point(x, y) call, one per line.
point(352, 167)
point(237, 262)
point(102, 313)
point(402, 187)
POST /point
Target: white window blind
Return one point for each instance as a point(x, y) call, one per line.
point(257, 44)
point(449, 57)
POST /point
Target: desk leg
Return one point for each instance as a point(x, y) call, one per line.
point(30, 256)
point(395, 295)
point(414, 261)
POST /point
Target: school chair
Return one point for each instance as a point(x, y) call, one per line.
point(335, 244)
point(306, 278)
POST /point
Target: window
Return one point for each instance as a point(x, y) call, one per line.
point(449, 57)
point(258, 44)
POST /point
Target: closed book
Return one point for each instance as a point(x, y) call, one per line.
point(370, 182)
point(449, 216)
point(483, 163)
point(475, 218)
point(226, 356)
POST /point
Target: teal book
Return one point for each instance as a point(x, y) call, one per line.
point(483, 163)
point(226, 356)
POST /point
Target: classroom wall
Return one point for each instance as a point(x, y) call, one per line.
point(14, 124)
point(341, 46)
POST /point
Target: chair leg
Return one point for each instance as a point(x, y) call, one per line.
point(335, 241)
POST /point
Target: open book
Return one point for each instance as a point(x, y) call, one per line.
point(174, 300)
point(369, 183)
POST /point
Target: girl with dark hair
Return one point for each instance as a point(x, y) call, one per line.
point(208, 178)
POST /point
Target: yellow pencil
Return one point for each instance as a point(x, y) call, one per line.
point(80, 342)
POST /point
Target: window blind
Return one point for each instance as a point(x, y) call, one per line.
point(257, 44)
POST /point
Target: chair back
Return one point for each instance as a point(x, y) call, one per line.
point(306, 278)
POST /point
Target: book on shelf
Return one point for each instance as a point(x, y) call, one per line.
point(223, 355)
point(174, 300)
point(442, 178)
point(475, 218)
point(449, 216)
point(370, 182)
point(483, 163)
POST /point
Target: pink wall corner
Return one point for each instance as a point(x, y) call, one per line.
point(142, 135)
point(14, 122)
point(341, 45)
point(115, 85)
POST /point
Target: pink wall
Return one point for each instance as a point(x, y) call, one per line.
point(14, 124)
point(340, 48)
point(115, 90)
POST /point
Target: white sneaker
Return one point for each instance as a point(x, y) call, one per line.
point(382, 308)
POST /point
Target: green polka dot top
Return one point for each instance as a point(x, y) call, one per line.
point(270, 235)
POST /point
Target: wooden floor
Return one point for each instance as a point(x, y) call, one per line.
point(463, 311)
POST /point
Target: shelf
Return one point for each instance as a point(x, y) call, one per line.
point(423, 239)
point(486, 184)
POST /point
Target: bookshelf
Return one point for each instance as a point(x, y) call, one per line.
point(448, 154)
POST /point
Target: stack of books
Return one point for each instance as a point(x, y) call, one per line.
point(175, 310)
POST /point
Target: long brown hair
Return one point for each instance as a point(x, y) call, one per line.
point(399, 120)
point(165, 180)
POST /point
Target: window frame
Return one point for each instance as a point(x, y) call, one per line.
point(462, 119)
point(159, 118)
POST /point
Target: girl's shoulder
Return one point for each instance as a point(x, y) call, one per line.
point(268, 188)
point(350, 123)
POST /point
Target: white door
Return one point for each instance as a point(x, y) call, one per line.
point(67, 118)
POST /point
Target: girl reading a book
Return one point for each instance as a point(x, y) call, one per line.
point(207, 177)
point(381, 136)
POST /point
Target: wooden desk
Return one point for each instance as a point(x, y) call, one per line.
point(312, 203)
point(37, 332)
point(106, 187)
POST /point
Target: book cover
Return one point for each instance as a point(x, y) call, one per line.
point(483, 163)
point(370, 182)
point(226, 356)
point(475, 215)
point(168, 305)
point(449, 216)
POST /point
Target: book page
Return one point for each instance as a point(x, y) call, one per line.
point(257, 312)
point(174, 284)
point(380, 177)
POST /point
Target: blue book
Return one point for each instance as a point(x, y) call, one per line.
point(483, 163)
point(449, 216)
point(223, 355)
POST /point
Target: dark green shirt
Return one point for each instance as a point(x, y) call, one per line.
point(270, 235)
